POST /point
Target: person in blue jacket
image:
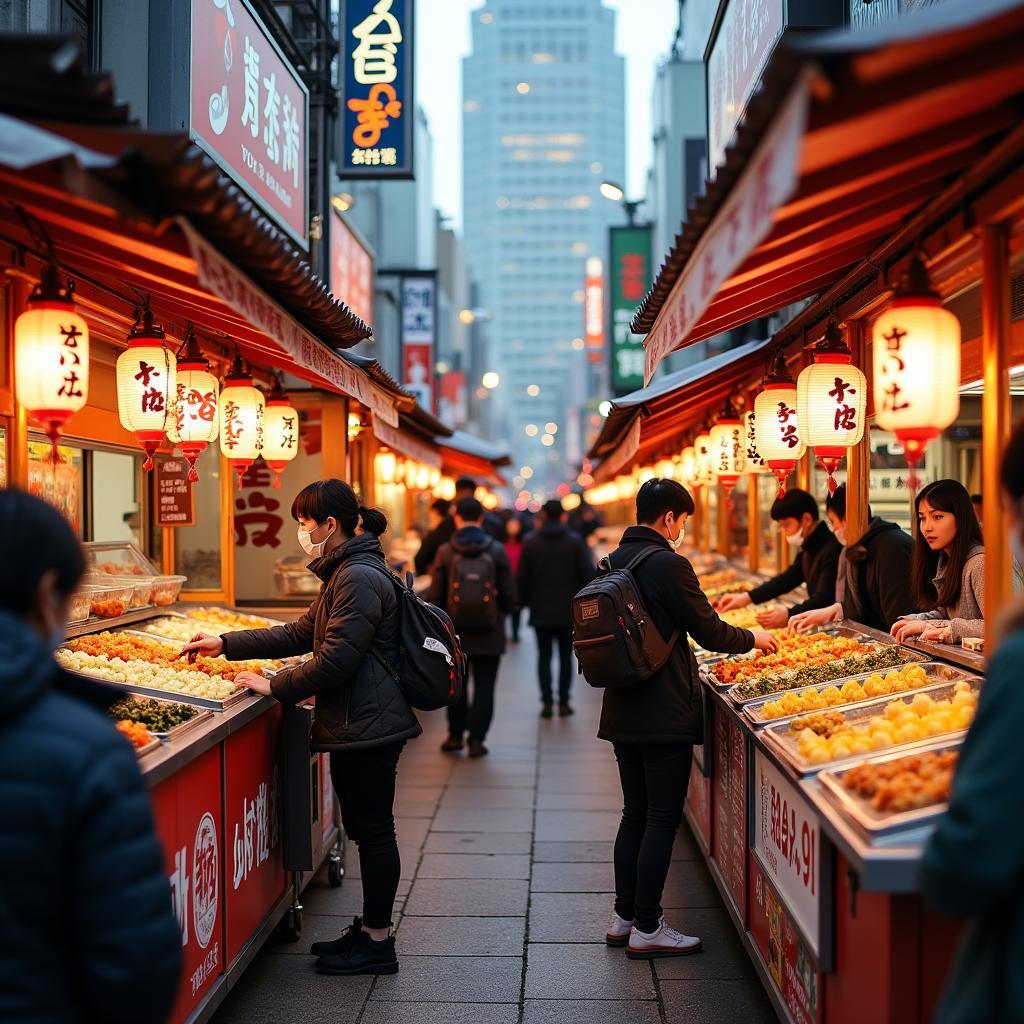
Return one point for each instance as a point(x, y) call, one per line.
point(973, 865)
point(87, 930)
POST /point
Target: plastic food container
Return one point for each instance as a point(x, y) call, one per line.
point(119, 560)
point(79, 607)
point(166, 589)
point(141, 586)
point(109, 602)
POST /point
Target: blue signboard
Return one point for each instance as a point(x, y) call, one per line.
point(378, 107)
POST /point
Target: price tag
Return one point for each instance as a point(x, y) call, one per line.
point(173, 493)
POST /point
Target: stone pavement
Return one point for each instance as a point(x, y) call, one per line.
point(506, 894)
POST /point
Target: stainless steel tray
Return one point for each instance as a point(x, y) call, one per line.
point(874, 823)
point(153, 744)
point(782, 741)
point(182, 698)
point(199, 718)
point(940, 674)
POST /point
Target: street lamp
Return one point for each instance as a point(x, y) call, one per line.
point(490, 380)
point(343, 201)
point(617, 194)
point(475, 316)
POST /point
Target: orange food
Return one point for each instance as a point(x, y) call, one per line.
point(795, 651)
point(136, 732)
point(107, 608)
point(906, 784)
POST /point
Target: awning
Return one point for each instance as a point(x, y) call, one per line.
point(851, 134)
point(463, 454)
point(406, 443)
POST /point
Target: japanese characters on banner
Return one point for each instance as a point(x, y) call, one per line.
point(400, 442)
point(418, 326)
point(630, 274)
point(593, 309)
point(351, 270)
point(623, 454)
point(737, 229)
point(378, 107)
point(249, 110)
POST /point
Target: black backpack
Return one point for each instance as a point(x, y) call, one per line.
point(616, 641)
point(432, 666)
point(473, 591)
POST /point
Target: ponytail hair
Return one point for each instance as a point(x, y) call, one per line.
point(336, 498)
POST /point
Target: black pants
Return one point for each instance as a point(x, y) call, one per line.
point(517, 618)
point(365, 783)
point(547, 638)
point(654, 779)
point(483, 669)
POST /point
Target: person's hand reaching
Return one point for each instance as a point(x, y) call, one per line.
point(202, 645)
point(765, 642)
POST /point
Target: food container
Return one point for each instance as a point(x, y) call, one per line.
point(118, 559)
point(79, 607)
point(782, 741)
point(141, 587)
point(166, 589)
point(109, 602)
point(293, 579)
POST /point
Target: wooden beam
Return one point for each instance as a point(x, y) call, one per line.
point(753, 522)
point(858, 462)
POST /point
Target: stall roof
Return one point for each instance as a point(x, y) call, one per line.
point(851, 134)
point(467, 444)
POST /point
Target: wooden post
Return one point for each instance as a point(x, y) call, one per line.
point(753, 521)
point(227, 530)
point(724, 538)
point(705, 518)
point(858, 461)
point(995, 410)
point(17, 442)
point(334, 432)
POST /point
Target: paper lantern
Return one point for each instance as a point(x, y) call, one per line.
point(665, 469)
point(385, 464)
point(193, 424)
point(702, 448)
point(917, 366)
point(755, 464)
point(688, 466)
point(280, 432)
point(146, 384)
point(435, 478)
point(355, 426)
point(831, 398)
point(776, 423)
point(242, 413)
point(445, 488)
point(728, 451)
point(51, 356)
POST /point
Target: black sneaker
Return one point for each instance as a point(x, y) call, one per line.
point(347, 937)
point(452, 745)
point(362, 956)
point(547, 711)
point(477, 748)
point(565, 710)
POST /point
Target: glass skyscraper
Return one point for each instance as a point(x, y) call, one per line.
point(543, 126)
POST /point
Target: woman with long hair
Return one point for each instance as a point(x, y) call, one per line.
point(948, 567)
point(361, 717)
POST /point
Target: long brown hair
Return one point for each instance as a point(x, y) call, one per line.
point(947, 496)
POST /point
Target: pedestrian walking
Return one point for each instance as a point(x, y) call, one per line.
point(655, 724)
point(442, 526)
point(556, 563)
point(361, 717)
point(493, 524)
point(89, 930)
point(472, 580)
point(514, 547)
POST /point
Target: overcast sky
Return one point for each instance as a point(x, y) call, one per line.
point(443, 28)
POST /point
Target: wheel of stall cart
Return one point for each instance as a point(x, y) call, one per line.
point(335, 872)
point(291, 925)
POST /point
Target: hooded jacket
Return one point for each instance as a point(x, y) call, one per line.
point(816, 565)
point(879, 588)
point(967, 617)
point(358, 701)
point(471, 541)
point(87, 930)
point(667, 708)
point(441, 534)
point(555, 564)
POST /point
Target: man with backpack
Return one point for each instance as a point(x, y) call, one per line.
point(631, 626)
point(472, 580)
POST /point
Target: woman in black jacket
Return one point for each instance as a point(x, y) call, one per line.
point(361, 717)
point(87, 930)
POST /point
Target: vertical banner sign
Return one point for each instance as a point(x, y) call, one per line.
point(378, 107)
point(249, 110)
point(418, 325)
point(629, 274)
point(351, 270)
point(593, 309)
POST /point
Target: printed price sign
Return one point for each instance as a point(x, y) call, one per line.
point(174, 505)
point(787, 844)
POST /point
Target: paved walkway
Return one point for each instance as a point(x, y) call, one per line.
point(506, 894)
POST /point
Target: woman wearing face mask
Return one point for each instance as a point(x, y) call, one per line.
point(89, 932)
point(948, 569)
point(973, 866)
point(361, 717)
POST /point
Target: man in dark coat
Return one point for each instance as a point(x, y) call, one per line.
point(555, 564)
point(442, 526)
point(484, 645)
point(492, 523)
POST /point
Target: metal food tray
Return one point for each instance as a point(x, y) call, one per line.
point(943, 675)
point(182, 698)
point(266, 670)
point(871, 822)
point(153, 744)
point(199, 718)
point(713, 658)
point(782, 743)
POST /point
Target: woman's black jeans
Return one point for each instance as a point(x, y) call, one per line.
point(364, 780)
point(654, 779)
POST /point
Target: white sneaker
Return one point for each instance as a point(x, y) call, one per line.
point(618, 931)
point(665, 941)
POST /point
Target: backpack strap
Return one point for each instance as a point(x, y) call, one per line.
point(637, 560)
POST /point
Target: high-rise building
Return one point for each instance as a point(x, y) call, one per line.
point(543, 126)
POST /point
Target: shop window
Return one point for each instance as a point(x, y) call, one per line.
point(197, 549)
point(60, 483)
point(117, 512)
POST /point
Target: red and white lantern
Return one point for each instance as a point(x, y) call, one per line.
point(280, 432)
point(146, 384)
point(688, 466)
point(242, 410)
point(776, 423)
point(194, 424)
point(702, 452)
point(755, 464)
point(728, 452)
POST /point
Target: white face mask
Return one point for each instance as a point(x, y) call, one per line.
point(677, 543)
point(794, 540)
point(307, 544)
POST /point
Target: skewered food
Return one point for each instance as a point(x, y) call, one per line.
point(906, 784)
point(159, 716)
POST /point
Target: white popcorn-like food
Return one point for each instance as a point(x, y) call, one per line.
point(144, 673)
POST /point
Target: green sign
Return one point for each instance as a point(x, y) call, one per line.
point(629, 277)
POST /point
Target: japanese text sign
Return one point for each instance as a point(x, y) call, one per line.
point(173, 493)
point(418, 325)
point(351, 270)
point(378, 107)
point(630, 276)
point(249, 110)
point(593, 309)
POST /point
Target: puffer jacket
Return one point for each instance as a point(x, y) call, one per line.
point(354, 618)
point(556, 563)
point(87, 929)
point(879, 588)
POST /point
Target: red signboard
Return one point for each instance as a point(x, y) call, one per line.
point(189, 823)
point(249, 110)
point(351, 270)
point(254, 875)
point(729, 841)
point(593, 309)
point(698, 803)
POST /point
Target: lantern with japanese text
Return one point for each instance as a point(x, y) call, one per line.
point(755, 464)
point(51, 356)
point(831, 399)
point(146, 384)
point(280, 432)
point(917, 366)
point(193, 423)
point(242, 413)
point(728, 451)
point(688, 466)
point(776, 423)
point(702, 450)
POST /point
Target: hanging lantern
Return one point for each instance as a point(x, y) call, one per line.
point(445, 488)
point(435, 479)
point(51, 360)
point(146, 384)
point(665, 469)
point(385, 465)
point(355, 426)
point(193, 424)
point(728, 454)
point(917, 366)
point(755, 464)
point(280, 432)
point(688, 466)
point(242, 412)
point(702, 447)
point(831, 399)
point(776, 424)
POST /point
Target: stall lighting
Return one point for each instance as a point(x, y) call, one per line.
point(355, 426)
point(702, 449)
point(193, 425)
point(242, 412)
point(728, 451)
point(445, 488)
point(280, 432)
point(688, 466)
point(666, 469)
point(776, 423)
point(385, 464)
